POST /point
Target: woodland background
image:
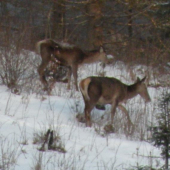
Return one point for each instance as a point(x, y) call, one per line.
point(131, 30)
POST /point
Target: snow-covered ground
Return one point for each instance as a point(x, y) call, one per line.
point(23, 116)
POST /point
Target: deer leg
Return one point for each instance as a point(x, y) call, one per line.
point(113, 110)
point(103, 65)
point(126, 113)
point(75, 68)
point(40, 70)
point(87, 110)
point(69, 77)
point(104, 62)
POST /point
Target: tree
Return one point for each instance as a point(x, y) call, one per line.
point(161, 133)
point(160, 12)
point(94, 18)
point(58, 19)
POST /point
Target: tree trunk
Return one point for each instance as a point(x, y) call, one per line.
point(94, 28)
point(166, 155)
point(58, 20)
point(130, 30)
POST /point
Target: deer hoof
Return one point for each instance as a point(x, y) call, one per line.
point(88, 124)
point(80, 118)
point(109, 128)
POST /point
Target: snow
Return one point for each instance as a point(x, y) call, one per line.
point(21, 116)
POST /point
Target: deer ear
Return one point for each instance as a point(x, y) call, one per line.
point(138, 80)
point(143, 79)
point(101, 49)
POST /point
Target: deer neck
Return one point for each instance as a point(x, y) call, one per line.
point(91, 57)
point(131, 91)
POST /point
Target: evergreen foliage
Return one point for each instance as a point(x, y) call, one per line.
point(161, 11)
point(161, 133)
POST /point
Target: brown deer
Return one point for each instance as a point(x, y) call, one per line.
point(105, 90)
point(68, 55)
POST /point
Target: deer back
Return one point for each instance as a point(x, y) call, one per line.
point(69, 56)
point(104, 90)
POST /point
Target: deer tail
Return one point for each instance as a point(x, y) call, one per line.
point(84, 84)
point(48, 42)
point(38, 45)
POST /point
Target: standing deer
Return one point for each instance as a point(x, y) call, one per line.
point(68, 55)
point(105, 90)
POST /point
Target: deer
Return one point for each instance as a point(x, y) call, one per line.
point(109, 90)
point(67, 55)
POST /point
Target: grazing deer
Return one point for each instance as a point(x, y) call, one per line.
point(68, 55)
point(105, 90)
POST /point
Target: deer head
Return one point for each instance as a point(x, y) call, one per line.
point(142, 89)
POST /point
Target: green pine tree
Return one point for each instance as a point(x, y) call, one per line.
point(161, 134)
point(161, 12)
